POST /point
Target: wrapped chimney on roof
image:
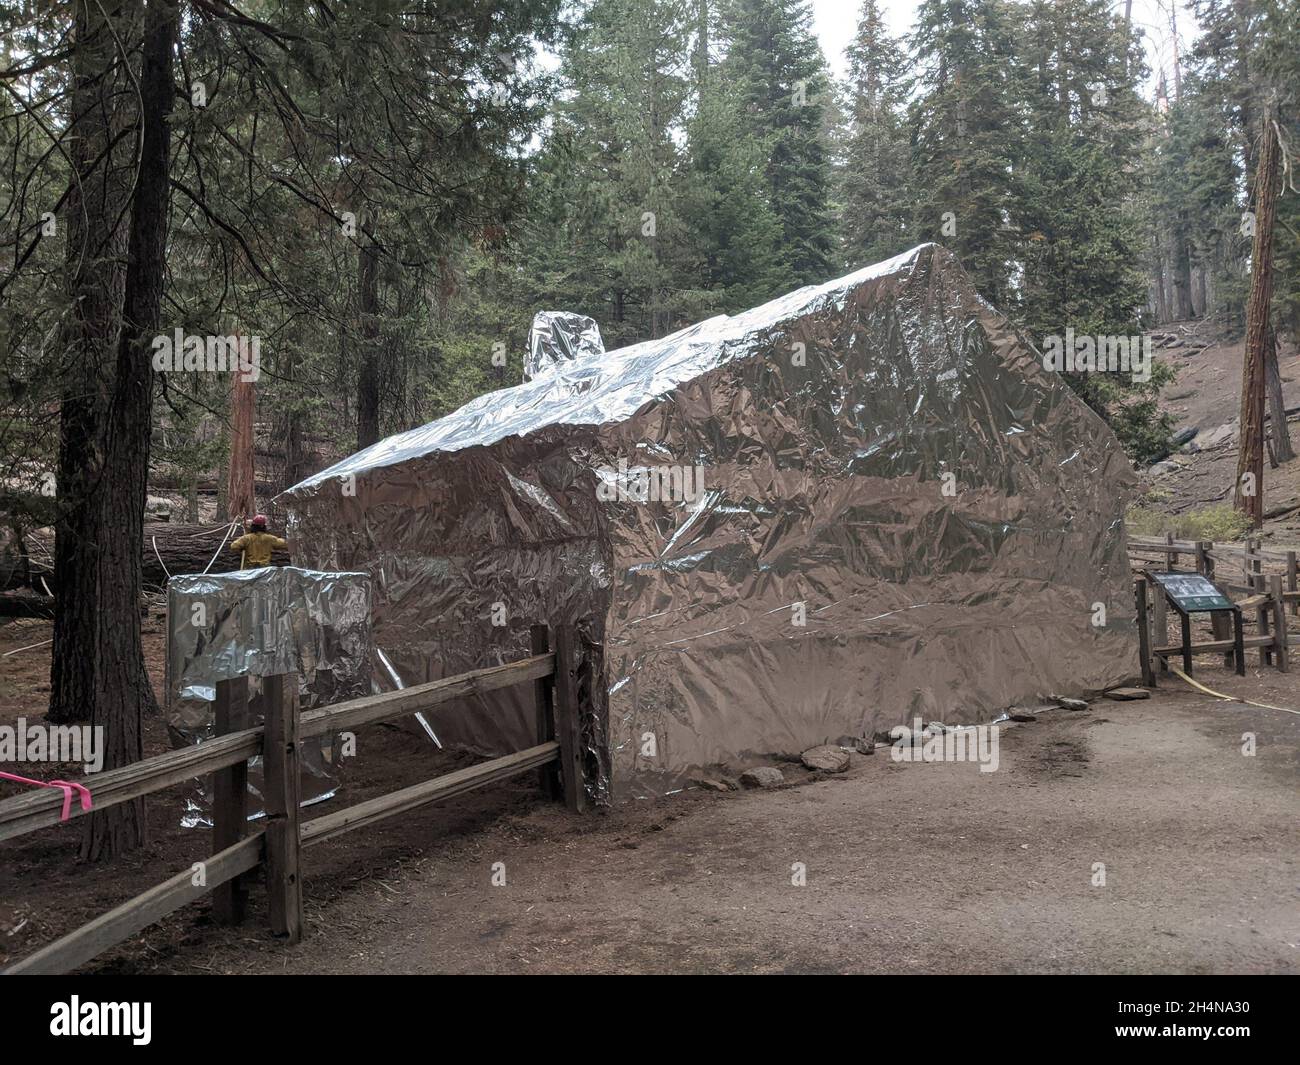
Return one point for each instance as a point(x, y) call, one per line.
point(557, 337)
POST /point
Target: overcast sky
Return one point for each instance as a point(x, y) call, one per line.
point(836, 21)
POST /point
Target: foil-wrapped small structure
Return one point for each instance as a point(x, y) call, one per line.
point(263, 622)
point(557, 337)
point(862, 502)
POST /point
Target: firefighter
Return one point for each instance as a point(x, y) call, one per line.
point(257, 544)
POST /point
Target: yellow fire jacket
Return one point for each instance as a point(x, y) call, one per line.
point(257, 548)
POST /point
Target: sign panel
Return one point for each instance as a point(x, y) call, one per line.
point(1191, 593)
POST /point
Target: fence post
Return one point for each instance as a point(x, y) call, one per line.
point(1171, 557)
point(1144, 632)
point(1291, 580)
point(230, 799)
point(539, 642)
point(1220, 623)
point(1279, 623)
point(1159, 623)
point(568, 711)
point(1238, 644)
point(280, 763)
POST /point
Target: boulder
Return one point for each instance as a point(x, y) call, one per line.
point(764, 776)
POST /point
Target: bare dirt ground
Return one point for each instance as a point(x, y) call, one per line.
point(910, 868)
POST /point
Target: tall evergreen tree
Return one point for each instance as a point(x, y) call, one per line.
point(1075, 205)
point(775, 66)
point(609, 169)
point(966, 135)
point(876, 178)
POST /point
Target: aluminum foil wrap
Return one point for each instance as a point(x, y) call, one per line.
point(557, 337)
point(262, 622)
point(892, 510)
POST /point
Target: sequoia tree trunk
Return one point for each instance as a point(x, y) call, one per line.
point(241, 499)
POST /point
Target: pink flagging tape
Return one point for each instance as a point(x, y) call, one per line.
point(67, 787)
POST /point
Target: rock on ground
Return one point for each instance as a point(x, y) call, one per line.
point(827, 758)
point(764, 776)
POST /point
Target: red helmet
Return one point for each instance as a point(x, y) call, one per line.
point(259, 521)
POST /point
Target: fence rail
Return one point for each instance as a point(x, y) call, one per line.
point(275, 847)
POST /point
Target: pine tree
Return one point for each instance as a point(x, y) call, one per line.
point(733, 235)
point(876, 178)
point(966, 135)
point(775, 67)
point(1075, 205)
point(609, 170)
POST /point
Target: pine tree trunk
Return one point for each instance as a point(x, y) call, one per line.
point(1162, 301)
point(124, 692)
point(1249, 494)
point(98, 238)
point(1182, 277)
point(368, 373)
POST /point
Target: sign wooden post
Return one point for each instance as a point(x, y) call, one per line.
point(1144, 632)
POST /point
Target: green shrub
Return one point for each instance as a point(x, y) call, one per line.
point(1218, 522)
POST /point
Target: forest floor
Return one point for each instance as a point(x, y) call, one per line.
point(910, 867)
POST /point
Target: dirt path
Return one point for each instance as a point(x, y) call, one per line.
point(912, 868)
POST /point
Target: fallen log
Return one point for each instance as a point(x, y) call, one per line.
point(26, 606)
point(167, 548)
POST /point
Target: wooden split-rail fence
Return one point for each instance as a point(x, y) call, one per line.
point(1262, 583)
point(275, 842)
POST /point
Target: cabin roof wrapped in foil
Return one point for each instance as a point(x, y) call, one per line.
point(861, 502)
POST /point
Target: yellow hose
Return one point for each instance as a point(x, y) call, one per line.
point(1228, 698)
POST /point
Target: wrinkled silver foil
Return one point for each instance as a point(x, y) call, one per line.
point(557, 337)
point(824, 423)
point(263, 622)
